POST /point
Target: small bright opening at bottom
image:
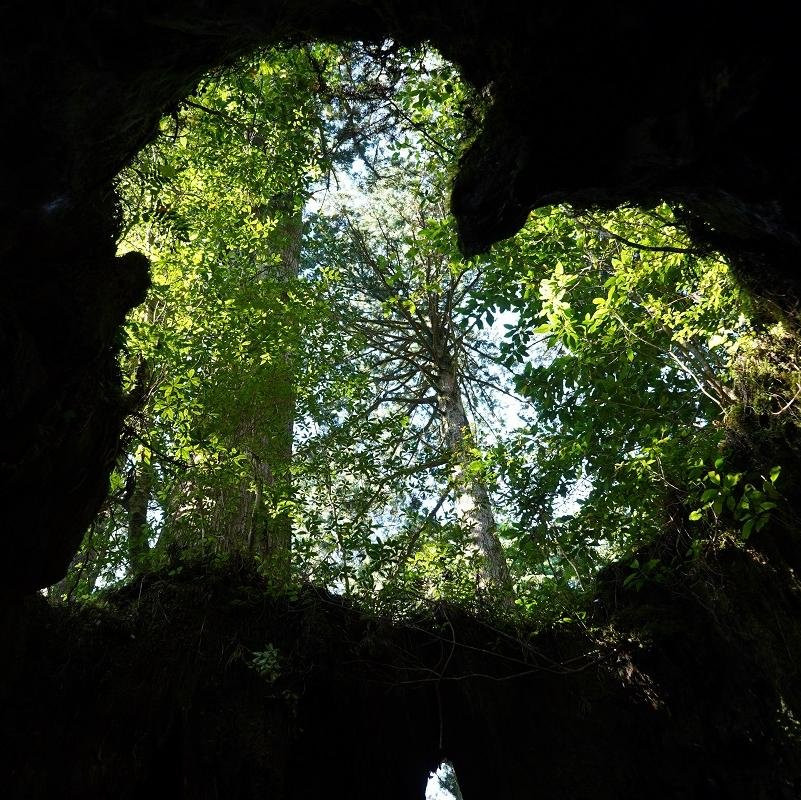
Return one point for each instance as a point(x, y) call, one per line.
point(442, 784)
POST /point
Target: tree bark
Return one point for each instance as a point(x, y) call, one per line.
point(473, 505)
point(269, 530)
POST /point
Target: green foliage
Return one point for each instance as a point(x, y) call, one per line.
point(642, 573)
point(625, 338)
point(231, 333)
point(724, 494)
point(288, 362)
point(267, 663)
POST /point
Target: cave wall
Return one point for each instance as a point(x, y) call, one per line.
point(592, 105)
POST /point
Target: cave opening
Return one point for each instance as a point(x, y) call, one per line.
point(704, 134)
point(443, 784)
point(320, 381)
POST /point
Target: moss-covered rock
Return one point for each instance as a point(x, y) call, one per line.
point(202, 684)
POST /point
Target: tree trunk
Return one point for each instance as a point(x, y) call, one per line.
point(138, 528)
point(269, 530)
point(473, 505)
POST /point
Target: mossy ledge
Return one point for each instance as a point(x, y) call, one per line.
point(156, 690)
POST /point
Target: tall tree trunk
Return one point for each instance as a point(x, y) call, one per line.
point(269, 530)
point(473, 506)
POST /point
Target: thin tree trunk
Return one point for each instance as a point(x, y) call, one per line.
point(473, 505)
point(62, 591)
point(95, 558)
point(85, 564)
point(138, 528)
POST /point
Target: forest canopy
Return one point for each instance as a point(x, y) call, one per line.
point(321, 382)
